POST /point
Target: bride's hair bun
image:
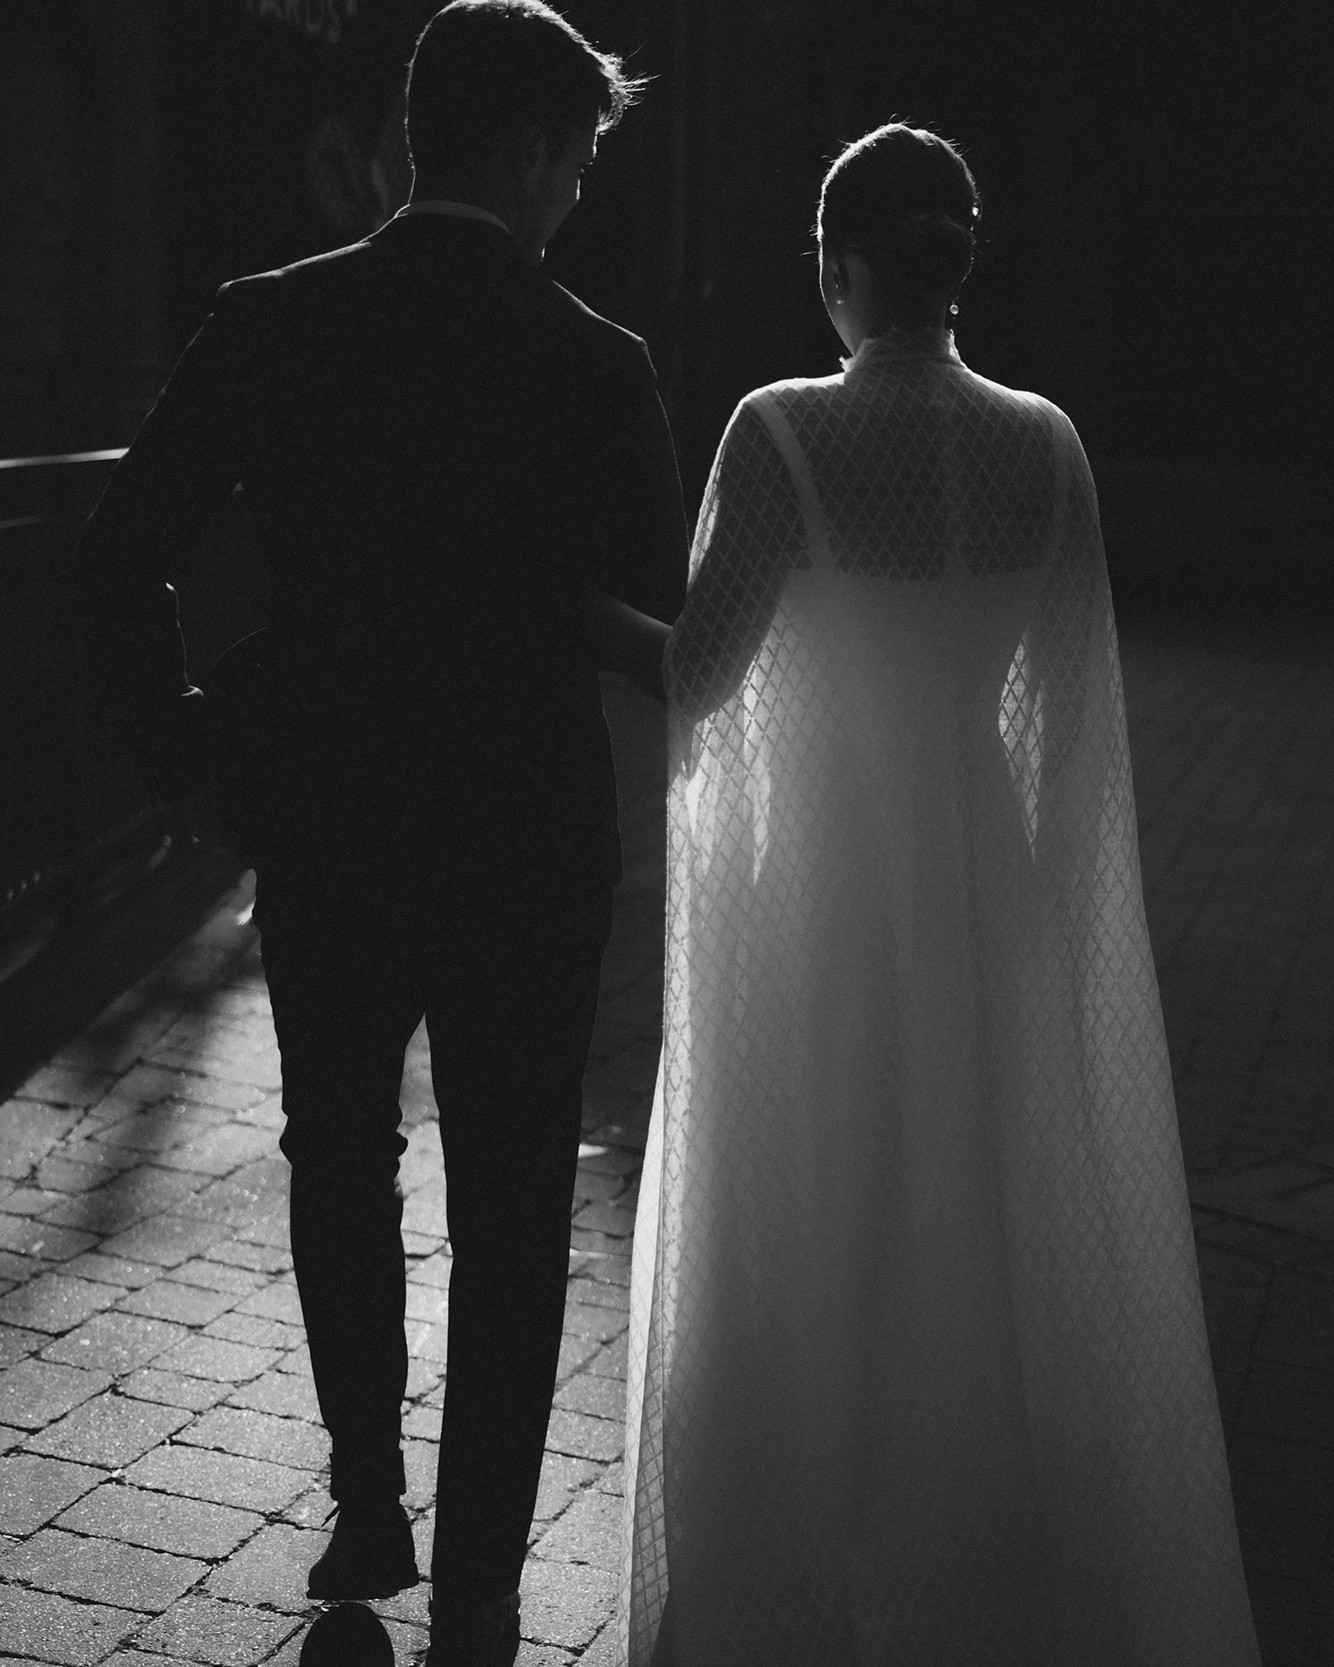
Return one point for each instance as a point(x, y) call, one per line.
point(929, 251)
point(905, 199)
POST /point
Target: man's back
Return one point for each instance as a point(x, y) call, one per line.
point(442, 451)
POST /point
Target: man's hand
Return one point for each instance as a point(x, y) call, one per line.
point(622, 639)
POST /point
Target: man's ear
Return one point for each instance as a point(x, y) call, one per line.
point(530, 151)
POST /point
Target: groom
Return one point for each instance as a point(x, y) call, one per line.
point(445, 455)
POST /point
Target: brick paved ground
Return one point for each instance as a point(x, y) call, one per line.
point(161, 1480)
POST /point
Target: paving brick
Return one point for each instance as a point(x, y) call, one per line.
point(60, 1085)
point(575, 1353)
point(580, 1436)
point(41, 1238)
point(225, 1634)
point(112, 1342)
point(261, 1258)
point(59, 1173)
point(222, 1478)
point(110, 1430)
point(594, 1320)
point(16, 1343)
point(150, 1085)
point(297, 1361)
point(312, 1509)
point(56, 1302)
point(187, 1305)
point(286, 1394)
point(31, 1200)
point(28, 1131)
point(15, 1268)
point(219, 1150)
point(597, 1186)
point(605, 1217)
point(86, 1150)
point(260, 1334)
point(592, 1293)
point(425, 1381)
point(593, 1243)
point(214, 1357)
point(611, 1361)
point(608, 1270)
point(422, 1423)
point(217, 1276)
point(163, 1522)
point(431, 1270)
point(135, 1195)
point(167, 1240)
point(421, 1464)
point(588, 1532)
point(268, 1227)
point(428, 1303)
point(173, 1389)
point(45, 1627)
point(612, 1480)
point(222, 1058)
point(113, 1270)
point(246, 1201)
point(258, 1435)
point(609, 1160)
point(602, 1397)
point(34, 1489)
point(271, 1570)
point(102, 1570)
point(34, 1392)
point(564, 1604)
point(427, 1341)
point(602, 1652)
point(562, 1477)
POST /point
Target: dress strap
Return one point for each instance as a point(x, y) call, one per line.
point(817, 527)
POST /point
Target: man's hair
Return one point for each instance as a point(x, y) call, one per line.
point(486, 71)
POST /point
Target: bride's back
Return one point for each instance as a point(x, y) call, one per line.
point(921, 469)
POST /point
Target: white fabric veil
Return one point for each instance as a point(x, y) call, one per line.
point(918, 1368)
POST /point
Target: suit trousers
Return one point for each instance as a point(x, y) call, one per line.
point(504, 968)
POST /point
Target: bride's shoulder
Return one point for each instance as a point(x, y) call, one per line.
point(1021, 403)
point(791, 397)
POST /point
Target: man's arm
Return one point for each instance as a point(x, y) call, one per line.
point(640, 547)
point(184, 462)
point(623, 639)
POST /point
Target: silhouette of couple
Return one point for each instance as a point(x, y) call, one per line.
point(913, 1236)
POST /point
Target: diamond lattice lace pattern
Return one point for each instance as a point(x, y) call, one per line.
point(918, 1368)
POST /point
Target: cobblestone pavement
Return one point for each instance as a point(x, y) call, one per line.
point(161, 1480)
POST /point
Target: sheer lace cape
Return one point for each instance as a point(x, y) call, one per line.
point(918, 1369)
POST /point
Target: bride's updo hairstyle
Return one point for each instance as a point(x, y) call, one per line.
point(904, 200)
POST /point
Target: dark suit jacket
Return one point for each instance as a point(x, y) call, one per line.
point(442, 451)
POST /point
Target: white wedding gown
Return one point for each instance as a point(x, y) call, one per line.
point(918, 1367)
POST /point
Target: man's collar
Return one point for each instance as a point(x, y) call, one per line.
point(459, 211)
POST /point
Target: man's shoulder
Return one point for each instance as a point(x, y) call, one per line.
point(256, 289)
point(590, 333)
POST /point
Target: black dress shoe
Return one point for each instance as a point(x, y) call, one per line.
point(369, 1555)
point(474, 1635)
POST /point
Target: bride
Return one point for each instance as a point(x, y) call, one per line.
point(918, 1367)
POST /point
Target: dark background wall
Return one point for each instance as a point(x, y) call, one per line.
point(1155, 254)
